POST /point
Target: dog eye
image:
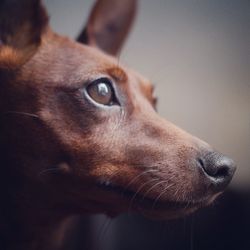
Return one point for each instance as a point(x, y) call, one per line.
point(101, 91)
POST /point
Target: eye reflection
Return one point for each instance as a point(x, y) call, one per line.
point(103, 89)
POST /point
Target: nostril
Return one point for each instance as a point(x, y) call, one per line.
point(222, 172)
point(218, 167)
point(210, 167)
point(201, 162)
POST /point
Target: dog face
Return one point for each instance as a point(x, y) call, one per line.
point(82, 129)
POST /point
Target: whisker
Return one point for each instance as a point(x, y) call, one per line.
point(139, 175)
point(161, 182)
point(118, 57)
point(192, 233)
point(163, 192)
point(21, 113)
point(49, 170)
point(138, 190)
point(155, 185)
point(112, 178)
point(103, 230)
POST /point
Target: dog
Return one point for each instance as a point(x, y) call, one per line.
point(80, 133)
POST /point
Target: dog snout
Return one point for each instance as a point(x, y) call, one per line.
point(218, 168)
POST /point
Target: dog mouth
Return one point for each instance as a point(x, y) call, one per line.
point(139, 202)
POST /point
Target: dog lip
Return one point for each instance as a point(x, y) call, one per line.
point(108, 186)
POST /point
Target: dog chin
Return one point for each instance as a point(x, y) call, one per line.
point(170, 214)
point(159, 214)
point(166, 210)
point(176, 210)
point(162, 209)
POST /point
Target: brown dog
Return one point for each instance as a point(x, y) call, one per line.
point(79, 133)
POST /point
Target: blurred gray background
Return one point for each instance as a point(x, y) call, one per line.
point(197, 53)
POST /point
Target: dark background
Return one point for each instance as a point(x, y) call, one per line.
point(224, 225)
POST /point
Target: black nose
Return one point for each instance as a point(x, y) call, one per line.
point(218, 168)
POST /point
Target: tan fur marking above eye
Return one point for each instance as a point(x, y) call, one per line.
point(118, 74)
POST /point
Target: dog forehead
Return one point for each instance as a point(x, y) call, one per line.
point(61, 61)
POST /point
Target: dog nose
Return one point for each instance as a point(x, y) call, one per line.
point(218, 168)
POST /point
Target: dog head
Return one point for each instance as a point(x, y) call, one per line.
point(81, 129)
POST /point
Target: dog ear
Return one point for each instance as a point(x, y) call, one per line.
point(22, 23)
point(109, 24)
